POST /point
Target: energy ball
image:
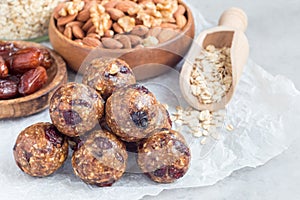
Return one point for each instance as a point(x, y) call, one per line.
point(101, 159)
point(75, 109)
point(164, 156)
point(107, 74)
point(133, 112)
point(40, 149)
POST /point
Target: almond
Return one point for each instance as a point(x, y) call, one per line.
point(135, 40)
point(77, 32)
point(111, 43)
point(74, 23)
point(87, 25)
point(92, 29)
point(61, 29)
point(64, 20)
point(94, 35)
point(109, 24)
point(83, 15)
point(117, 28)
point(154, 31)
point(140, 30)
point(92, 42)
point(124, 6)
point(124, 40)
point(181, 21)
point(166, 34)
point(158, 1)
point(180, 11)
point(68, 32)
point(110, 4)
point(168, 25)
point(109, 33)
point(150, 41)
point(115, 14)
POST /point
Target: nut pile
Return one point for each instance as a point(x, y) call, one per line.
point(211, 76)
point(120, 24)
point(98, 136)
point(23, 71)
point(201, 124)
point(25, 19)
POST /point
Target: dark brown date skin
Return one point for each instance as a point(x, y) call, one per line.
point(32, 80)
point(8, 89)
point(7, 49)
point(30, 58)
point(3, 68)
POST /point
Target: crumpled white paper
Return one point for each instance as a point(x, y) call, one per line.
point(264, 111)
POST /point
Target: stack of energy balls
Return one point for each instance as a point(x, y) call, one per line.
point(98, 119)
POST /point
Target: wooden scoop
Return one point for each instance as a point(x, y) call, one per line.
point(229, 33)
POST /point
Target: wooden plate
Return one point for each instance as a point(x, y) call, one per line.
point(38, 101)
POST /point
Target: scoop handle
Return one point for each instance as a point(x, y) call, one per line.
point(235, 18)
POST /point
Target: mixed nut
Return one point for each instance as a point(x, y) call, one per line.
point(23, 71)
point(120, 24)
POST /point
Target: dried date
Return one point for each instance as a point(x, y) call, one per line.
point(30, 58)
point(7, 49)
point(8, 89)
point(32, 80)
point(3, 68)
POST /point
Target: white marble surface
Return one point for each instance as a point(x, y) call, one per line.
point(273, 34)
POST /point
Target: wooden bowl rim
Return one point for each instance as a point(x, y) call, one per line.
point(189, 24)
point(57, 79)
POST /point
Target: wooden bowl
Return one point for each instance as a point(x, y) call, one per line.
point(153, 60)
point(38, 101)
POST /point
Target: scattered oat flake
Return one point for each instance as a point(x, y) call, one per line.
point(229, 127)
point(203, 141)
point(200, 124)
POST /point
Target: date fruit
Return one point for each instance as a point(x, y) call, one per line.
point(3, 68)
point(32, 80)
point(8, 89)
point(30, 58)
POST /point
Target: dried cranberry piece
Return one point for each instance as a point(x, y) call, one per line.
point(71, 117)
point(141, 88)
point(140, 119)
point(80, 102)
point(124, 69)
point(164, 129)
point(182, 148)
point(175, 172)
point(54, 136)
point(160, 172)
point(119, 157)
point(103, 143)
point(98, 154)
point(27, 155)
